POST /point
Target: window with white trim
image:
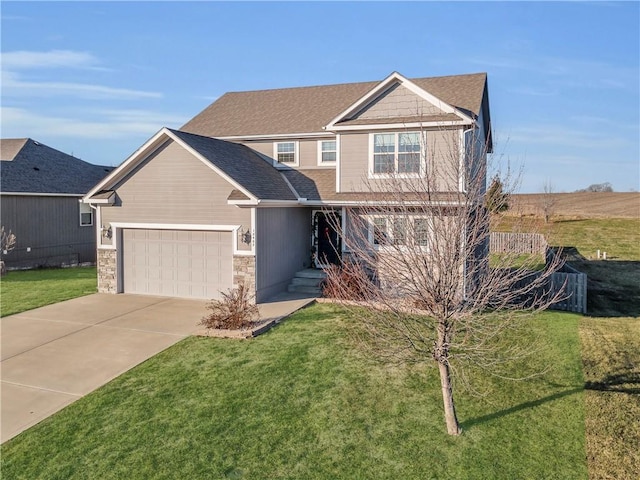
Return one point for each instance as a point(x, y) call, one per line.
point(327, 151)
point(86, 215)
point(286, 152)
point(399, 230)
point(397, 153)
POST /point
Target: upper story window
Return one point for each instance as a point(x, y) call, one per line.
point(397, 153)
point(327, 151)
point(86, 215)
point(286, 152)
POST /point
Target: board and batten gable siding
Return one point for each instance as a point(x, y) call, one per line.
point(398, 101)
point(442, 157)
point(174, 187)
point(50, 227)
point(283, 247)
point(307, 150)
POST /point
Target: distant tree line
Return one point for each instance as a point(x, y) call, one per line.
point(598, 187)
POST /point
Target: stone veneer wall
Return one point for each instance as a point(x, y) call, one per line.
point(244, 271)
point(107, 271)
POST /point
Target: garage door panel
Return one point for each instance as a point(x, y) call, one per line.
point(193, 264)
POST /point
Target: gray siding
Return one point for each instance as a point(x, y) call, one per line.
point(399, 101)
point(174, 187)
point(307, 151)
point(443, 158)
point(50, 226)
point(283, 247)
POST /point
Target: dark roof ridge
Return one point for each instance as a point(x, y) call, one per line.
point(301, 87)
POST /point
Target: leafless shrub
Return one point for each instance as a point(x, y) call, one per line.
point(235, 311)
point(7, 241)
point(348, 281)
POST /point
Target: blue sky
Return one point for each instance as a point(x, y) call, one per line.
point(98, 79)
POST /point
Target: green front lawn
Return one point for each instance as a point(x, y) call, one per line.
point(302, 402)
point(27, 289)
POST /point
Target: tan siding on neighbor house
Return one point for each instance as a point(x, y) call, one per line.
point(443, 158)
point(398, 102)
point(174, 187)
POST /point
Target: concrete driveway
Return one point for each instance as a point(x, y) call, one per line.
point(53, 355)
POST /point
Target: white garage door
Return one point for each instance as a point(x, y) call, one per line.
point(177, 263)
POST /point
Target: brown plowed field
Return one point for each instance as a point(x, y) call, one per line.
point(579, 205)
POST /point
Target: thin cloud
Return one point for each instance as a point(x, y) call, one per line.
point(14, 85)
point(117, 124)
point(22, 60)
point(567, 72)
point(559, 135)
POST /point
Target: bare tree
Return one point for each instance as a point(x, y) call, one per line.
point(7, 243)
point(548, 201)
point(427, 290)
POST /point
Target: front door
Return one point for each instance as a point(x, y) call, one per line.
point(327, 238)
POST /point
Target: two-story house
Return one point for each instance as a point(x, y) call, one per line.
point(252, 188)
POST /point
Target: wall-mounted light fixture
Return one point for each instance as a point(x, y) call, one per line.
point(106, 231)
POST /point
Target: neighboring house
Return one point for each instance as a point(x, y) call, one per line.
point(40, 193)
point(243, 191)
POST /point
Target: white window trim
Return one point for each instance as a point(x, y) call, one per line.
point(80, 212)
point(423, 156)
point(389, 230)
point(296, 153)
point(320, 163)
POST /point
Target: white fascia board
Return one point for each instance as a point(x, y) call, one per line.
point(146, 149)
point(209, 164)
point(264, 203)
point(275, 136)
point(357, 203)
point(278, 203)
point(30, 194)
point(99, 201)
point(397, 126)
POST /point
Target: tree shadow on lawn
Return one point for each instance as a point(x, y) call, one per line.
point(517, 408)
point(626, 382)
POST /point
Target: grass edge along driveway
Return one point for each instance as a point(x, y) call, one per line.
point(22, 290)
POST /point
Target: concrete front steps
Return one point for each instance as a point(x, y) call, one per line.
point(307, 281)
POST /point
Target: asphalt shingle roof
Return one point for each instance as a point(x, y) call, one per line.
point(308, 109)
point(244, 165)
point(37, 168)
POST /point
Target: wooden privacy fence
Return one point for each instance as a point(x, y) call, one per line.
point(569, 282)
point(504, 242)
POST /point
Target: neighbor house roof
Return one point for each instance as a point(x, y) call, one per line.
point(31, 167)
point(309, 109)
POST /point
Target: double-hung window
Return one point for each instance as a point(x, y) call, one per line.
point(397, 153)
point(86, 215)
point(399, 230)
point(327, 151)
point(286, 152)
